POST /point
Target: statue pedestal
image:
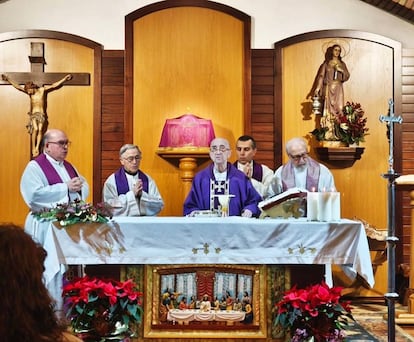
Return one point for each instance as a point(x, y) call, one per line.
point(187, 159)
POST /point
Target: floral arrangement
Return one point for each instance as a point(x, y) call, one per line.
point(349, 126)
point(102, 309)
point(76, 211)
point(314, 314)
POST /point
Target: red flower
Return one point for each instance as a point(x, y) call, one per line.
point(350, 125)
point(99, 305)
point(76, 211)
point(314, 311)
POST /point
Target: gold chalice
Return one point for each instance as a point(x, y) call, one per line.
point(224, 201)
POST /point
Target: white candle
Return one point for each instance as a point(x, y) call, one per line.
point(336, 206)
point(325, 207)
point(312, 200)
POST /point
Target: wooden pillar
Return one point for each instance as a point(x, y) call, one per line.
point(187, 161)
point(411, 280)
point(187, 167)
point(408, 316)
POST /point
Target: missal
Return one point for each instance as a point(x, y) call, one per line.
point(290, 203)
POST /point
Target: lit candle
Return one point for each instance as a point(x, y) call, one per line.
point(336, 205)
point(312, 200)
point(325, 206)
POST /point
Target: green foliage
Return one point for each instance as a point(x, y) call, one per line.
point(99, 309)
point(349, 126)
point(314, 312)
point(75, 212)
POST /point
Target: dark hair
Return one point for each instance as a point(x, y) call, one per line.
point(329, 52)
point(247, 138)
point(27, 308)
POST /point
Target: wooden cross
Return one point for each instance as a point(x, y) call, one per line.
point(37, 84)
point(38, 75)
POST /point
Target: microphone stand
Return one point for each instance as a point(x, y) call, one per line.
point(391, 296)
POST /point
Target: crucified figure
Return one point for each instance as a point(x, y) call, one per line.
point(37, 113)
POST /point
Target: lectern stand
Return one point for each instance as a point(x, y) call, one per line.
point(187, 160)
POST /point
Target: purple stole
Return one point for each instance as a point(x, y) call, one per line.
point(50, 172)
point(218, 187)
point(122, 183)
point(257, 170)
point(312, 175)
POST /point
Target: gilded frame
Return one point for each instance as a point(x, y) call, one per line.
point(153, 329)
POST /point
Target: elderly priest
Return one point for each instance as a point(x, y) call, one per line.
point(222, 178)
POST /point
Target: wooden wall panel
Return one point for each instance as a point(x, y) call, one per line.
point(407, 80)
point(113, 123)
point(299, 70)
point(185, 60)
point(74, 109)
point(262, 102)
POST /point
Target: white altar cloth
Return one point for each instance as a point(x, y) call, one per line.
point(197, 240)
point(180, 316)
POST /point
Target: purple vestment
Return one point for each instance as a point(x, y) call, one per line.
point(245, 196)
point(122, 183)
point(50, 172)
point(312, 175)
point(257, 171)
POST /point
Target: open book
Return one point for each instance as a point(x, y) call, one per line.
point(285, 204)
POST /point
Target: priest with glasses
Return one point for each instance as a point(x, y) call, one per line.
point(222, 178)
point(129, 190)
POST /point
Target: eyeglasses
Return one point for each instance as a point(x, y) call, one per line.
point(299, 156)
point(61, 143)
point(220, 148)
point(133, 158)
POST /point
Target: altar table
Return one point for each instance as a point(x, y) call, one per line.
point(197, 240)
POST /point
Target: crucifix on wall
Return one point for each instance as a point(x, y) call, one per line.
point(37, 84)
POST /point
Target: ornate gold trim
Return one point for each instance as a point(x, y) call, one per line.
point(153, 328)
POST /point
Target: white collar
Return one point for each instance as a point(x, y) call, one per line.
point(53, 161)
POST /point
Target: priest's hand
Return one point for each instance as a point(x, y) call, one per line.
point(248, 170)
point(138, 188)
point(246, 213)
point(75, 184)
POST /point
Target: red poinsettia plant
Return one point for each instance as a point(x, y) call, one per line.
point(314, 313)
point(102, 308)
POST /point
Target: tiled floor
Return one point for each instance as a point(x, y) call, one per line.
point(409, 329)
point(379, 312)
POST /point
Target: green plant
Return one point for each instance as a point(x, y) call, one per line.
point(319, 133)
point(351, 124)
point(100, 308)
point(74, 212)
point(348, 127)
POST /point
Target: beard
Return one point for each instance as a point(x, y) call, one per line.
point(301, 167)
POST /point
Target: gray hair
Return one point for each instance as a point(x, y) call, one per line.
point(127, 147)
point(298, 141)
